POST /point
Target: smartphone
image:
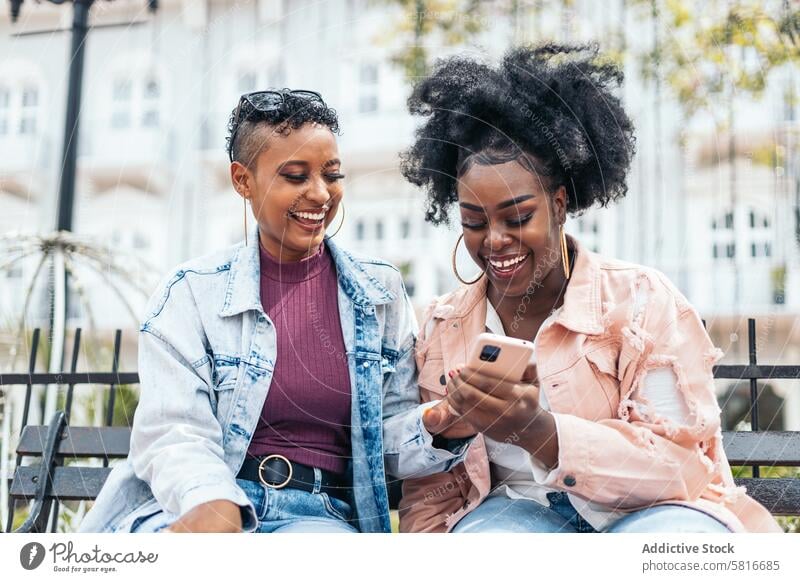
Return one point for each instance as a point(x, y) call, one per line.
point(501, 356)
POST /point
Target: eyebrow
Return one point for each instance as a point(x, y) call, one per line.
point(290, 162)
point(327, 164)
point(501, 205)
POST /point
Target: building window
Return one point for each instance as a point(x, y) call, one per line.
point(360, 230)
point(150, 101)
point(136, 102)
point(368, 88)
point(729, 220)
point(121, 103)
point(405, 228)
point(30, 106)
point(379, 230)
point(730, 250)
point(758, 250)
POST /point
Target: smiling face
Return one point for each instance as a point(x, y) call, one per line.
point(294, 188)
point(511, 227)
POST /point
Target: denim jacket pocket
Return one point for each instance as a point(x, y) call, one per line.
point(226, 375)
point(225, 372)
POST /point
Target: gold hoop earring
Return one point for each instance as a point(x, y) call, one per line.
point(244, 201)
point(341, 205)
point(455, 268)
point(564, 253)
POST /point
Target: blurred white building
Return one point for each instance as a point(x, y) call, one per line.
point(153, 172)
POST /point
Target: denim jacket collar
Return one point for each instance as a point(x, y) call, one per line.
point(582, 310)
point(243, 291)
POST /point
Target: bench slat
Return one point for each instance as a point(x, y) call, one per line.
point(77, 378)
point(758, 372)
point(779, 496)
point(780, 448)
point(69, 483)
point(103, 442)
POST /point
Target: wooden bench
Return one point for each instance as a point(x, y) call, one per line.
point(51, 480)
point(46, 486)
point(767, 449)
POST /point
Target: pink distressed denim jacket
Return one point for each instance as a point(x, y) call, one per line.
point(613, 449)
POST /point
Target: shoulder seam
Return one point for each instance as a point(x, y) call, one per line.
point(176, 278)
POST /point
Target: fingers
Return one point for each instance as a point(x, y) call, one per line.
point(501, 388)
point(442, 419)
point(531, 375)
point(465, 398)
point(438, 417)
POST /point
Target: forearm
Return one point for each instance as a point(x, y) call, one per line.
point(541, 439)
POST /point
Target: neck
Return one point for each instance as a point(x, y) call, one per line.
point(280, 253)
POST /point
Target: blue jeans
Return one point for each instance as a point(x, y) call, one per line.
point(501, 514)
point(279, 511)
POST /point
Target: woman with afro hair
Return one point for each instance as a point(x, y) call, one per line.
point(615, 428)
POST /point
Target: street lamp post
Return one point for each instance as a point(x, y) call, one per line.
point(66, 192)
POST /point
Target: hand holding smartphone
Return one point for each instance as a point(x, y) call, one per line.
point(500, 356)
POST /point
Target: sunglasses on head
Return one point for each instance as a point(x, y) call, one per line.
point(266, 101)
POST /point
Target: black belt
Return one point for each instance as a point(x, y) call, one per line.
point(277, 472)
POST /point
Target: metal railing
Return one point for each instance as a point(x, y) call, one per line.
point(70, 379)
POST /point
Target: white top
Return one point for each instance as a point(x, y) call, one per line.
point(519, 475)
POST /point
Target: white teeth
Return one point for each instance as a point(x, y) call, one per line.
point(508, 263)
point(309, 216)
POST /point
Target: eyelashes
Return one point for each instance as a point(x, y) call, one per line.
point(300, 178)
point(512, 223)
point(522, 220)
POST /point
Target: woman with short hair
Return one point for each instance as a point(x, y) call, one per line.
point(277, 375)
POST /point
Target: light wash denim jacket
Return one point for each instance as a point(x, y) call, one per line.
point(206, 356)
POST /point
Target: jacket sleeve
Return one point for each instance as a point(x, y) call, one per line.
point(176, 439)
point(643, 456)
point(408, 447)
point(428, 500)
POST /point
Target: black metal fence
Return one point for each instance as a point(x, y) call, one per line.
point(71, 379)
point(752, 372)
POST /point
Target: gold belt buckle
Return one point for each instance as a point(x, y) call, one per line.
point(261, 471)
